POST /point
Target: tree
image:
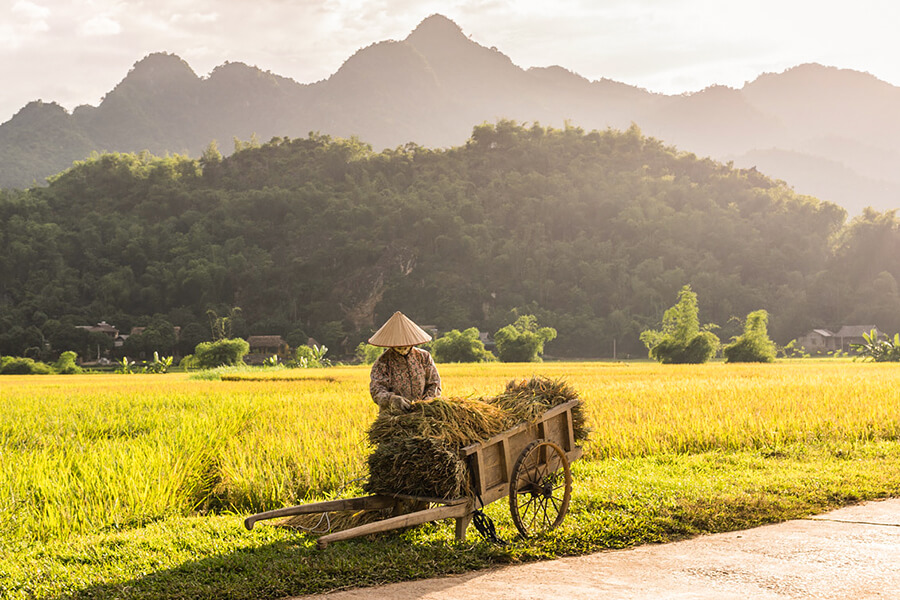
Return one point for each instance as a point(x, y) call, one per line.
point(191, 335)
point(66, 364)
point(312, 357)
point(65, 336)
point(879, 349)
point(592, 229)
point(523, 341)
point(157, 336)
point(224, 352)
point(367, 353)
point(461, 346)
point(221, 327)
point(754, 345)
point(681, 340)
point(14, 365)
point(211, 155)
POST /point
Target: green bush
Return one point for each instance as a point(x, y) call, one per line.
point(461, 347)
point(159, 365)
point(66, 364)
point(700, 349)
point(523, 341)
point(681, 341)
point(877, 349)
point(229, 351)
point(367, 353)
point(754, 345)
point(16, 365)
point(311, 357)
point(126, 366)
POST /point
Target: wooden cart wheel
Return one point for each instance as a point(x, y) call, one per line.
point(540, 488)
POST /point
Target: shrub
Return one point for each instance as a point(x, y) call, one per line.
point(367, 353)
point(15, 365)
point(754, 345)
point(229, 351)
point(159, 365)
point(125, 366)
point(66, 364)
point(877, 349)
point(523, 341)
point(311, 357)
point(461, 347)
point(681, 341)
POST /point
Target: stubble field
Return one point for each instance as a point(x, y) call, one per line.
point(135, 485)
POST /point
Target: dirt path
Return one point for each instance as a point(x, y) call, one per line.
point(848, 554)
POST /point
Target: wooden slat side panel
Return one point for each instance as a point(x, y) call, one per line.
point(517, 444)
point(479, 473)
point(495, 493)
point(508, 461)
point(553, 411)
point(571, 433)
point(556, 429)
point(492, 465)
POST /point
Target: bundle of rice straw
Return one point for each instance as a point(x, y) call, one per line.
point(528, 400)
point(454, 421)
point(417, 452)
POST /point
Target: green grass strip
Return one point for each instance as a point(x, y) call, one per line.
point(616, 503)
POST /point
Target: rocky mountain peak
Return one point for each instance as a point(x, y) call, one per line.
point(159, 70)
point(436, 28)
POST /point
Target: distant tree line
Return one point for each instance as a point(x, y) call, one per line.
point(593, 233)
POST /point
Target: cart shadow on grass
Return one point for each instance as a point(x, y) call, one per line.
point(296, 567)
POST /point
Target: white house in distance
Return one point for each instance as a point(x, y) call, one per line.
point(822, 341)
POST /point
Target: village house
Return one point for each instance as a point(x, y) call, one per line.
point(106, 329)
point(264, 346)
point(101, 327)
point(824, 341)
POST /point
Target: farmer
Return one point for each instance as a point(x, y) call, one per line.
point(402, 374)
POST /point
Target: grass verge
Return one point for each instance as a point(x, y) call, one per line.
point(616, 503)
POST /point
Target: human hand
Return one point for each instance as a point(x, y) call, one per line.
point(400, 403)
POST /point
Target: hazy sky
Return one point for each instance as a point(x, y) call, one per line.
point(74, 51)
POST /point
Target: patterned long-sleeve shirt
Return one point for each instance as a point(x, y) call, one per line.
point(413, 376)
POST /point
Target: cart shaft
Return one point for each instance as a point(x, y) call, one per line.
point(362, 503)
point(461, 511)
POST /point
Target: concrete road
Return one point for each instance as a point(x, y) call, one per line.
point(848, 554)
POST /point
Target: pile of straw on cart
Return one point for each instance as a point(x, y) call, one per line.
point(417, 452)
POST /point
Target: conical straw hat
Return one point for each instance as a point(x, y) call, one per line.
point(399, 331)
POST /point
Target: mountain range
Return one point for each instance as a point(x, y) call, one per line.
point(828, 132)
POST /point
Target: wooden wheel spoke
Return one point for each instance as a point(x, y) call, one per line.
point(532, 517)
point(553, 503)
point(535, 476)
point(540, 488)
point(531, 462)
point(528, 503)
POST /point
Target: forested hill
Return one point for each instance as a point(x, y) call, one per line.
point(831, 133)
point(594, 233)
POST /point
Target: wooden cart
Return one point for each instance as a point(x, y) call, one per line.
point(528, 463)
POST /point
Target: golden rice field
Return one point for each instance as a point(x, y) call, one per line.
point(89, 453)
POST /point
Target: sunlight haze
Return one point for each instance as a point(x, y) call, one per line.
point(74, 52)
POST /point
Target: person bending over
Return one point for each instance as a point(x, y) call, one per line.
point(403, 374)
